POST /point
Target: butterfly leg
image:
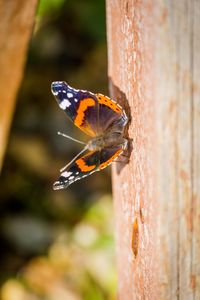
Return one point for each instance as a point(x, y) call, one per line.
point(125, 144)
point(125, 161)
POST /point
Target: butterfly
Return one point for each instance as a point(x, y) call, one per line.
point(99, 117)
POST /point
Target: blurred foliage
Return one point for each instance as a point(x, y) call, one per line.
point(78, 265)
point(87, 15)
point(56, 245)
point(49, 7)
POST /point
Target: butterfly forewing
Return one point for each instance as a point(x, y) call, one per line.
point(92, 113)
point(80, 106)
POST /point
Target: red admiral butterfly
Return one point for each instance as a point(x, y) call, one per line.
point(99, 117)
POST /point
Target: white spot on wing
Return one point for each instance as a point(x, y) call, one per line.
point(69, 95)
point(66, 174)
point(64, 104)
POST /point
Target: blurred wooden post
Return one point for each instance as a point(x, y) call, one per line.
point(17, 18)
point(154, 71)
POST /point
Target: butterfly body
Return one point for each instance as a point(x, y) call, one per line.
point(110, 140)
point(99, 117)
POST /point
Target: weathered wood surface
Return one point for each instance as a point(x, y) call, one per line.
point(154, 71)
point(17, 18)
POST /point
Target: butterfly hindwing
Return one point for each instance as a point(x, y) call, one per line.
point(82, 167)
point(108, 155)
point(86, 165)
point(110, 113)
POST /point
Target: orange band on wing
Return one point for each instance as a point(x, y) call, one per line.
point(84, 104)
point(83, 167)
point(106, 163)
point(108, 102)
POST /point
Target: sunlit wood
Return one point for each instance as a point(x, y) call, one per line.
point(154, 72)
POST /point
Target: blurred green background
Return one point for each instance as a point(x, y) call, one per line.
point(56, 244)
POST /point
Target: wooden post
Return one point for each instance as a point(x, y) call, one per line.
point(17, 18)
point(154, 72)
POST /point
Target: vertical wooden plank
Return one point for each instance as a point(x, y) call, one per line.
point(130, 28)
point(195, 90)
point(17, 18)
point(183, 15)
point(167, 124)
point(176, 119)
point(154, 65)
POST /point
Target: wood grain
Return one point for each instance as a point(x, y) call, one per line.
point(17, 18)
point(130, 56)
point(154, 71)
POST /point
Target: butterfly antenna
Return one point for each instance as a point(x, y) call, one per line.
point(70, 138)
point(65, 167)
